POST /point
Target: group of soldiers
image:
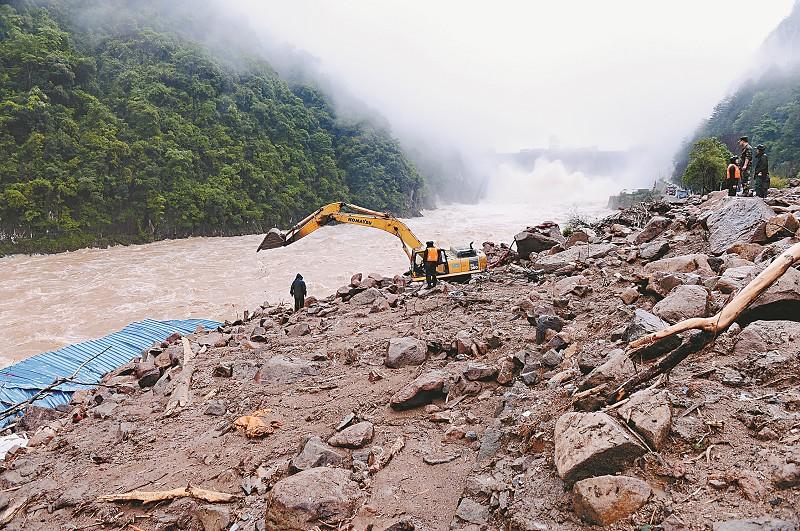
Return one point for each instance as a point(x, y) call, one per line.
point(744, 167)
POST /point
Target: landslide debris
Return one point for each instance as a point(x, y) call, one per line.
point(389, 406)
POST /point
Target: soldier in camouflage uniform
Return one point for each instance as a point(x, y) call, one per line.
point(746, 162)
point(761, 172)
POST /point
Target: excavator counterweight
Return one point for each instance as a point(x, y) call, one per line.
point(460, 262)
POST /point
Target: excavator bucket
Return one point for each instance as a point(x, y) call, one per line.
point(272, 240)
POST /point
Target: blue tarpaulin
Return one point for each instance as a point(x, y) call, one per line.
point(19, 382)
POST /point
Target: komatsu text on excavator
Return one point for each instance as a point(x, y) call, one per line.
point(458, 263)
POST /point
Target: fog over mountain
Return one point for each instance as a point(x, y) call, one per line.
point(488, 77)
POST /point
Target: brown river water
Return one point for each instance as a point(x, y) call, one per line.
point(49, 301)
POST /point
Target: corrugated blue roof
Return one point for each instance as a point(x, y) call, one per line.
point(21, 381)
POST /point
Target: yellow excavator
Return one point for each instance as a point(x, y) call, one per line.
point(457, 263)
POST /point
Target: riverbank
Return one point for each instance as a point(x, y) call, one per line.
point(469, 406)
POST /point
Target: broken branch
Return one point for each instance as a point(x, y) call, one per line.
point(731, 311)
point(189, 491)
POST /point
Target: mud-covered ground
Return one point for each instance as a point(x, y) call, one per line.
point(503, 357)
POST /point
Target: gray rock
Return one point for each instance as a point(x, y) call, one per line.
point(479, 371)
point(654, 228)
point(285, 369)
point(759, 337)
point(367, 296)
point(355, 436)
point(617, 367)
point(490, 443)
point(606, 499)
point(551, 359)
point(653, 250)
point(532, 242)
point(298, 330)
point(763, 523)
point(683, 302)
point(422, 390)
point(317, 453)
point(590, 444)
point(644, 323)
point(311, 497)
point(214, 517)
point(216, 408)
point(578, 253)
point(405, 351)
point(738, 219)
point(472, 512)
point(649, 412)
point(577, 285)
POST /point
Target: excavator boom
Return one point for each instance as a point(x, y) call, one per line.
point(333, 212)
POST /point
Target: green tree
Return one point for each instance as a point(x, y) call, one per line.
point(708, 161)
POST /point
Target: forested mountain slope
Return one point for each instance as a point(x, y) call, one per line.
point(118, 130)
point(766, 107)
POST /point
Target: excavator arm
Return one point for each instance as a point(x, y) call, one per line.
point(356, 216)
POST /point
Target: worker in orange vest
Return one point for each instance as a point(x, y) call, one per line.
point(431, 261)
point(733, 176)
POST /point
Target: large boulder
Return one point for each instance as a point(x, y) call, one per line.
point(649, 412)
point(738, 219)
point(578, 253)
point(315, 496)
point(655, 227)
point(533, 242)
point(683, 302)
point(405, 351)
point(422, 390)
point(781, 300)
point(759, 337)
point(604, 500)
point(590, 444)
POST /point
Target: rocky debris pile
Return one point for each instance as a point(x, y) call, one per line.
point(481, 405)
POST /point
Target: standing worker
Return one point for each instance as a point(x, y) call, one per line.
point(746, 161)
point(431, 261)
point(298, 290)
point(733, 177)
point(761, 172)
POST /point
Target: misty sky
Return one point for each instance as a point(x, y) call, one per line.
point(509, 75)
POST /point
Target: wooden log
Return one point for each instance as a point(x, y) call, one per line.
point(722, 320)
point(143, 496)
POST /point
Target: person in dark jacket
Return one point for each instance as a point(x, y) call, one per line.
point(298, 291)
point(431, 261)
point(761, 171)
point(746, 164)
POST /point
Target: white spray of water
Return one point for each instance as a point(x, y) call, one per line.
point(549, 182)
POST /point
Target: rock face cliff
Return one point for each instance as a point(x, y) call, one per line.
point(466, 406)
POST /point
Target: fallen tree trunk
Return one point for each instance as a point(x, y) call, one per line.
point(705, 328)
point(721, 321)
point(143, 496)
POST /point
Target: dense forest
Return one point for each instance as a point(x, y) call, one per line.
point(123, 131)
point(766, 107)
